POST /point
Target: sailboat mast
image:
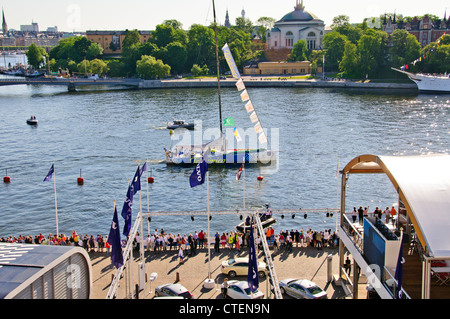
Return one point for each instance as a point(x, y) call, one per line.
point(218, 69)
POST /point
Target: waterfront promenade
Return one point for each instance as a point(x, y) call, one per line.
point(302, 263)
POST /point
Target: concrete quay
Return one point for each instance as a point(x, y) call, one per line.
point(262, 82)
point(302, 263)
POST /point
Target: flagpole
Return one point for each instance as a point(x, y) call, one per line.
point(148, 209)
point(243, 168)
point(209, 233)
point(56, 203)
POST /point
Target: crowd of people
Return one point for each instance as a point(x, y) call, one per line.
point(390, 214)
point(160, 240)
point(89, 242)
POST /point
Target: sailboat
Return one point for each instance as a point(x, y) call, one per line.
point(218, 151)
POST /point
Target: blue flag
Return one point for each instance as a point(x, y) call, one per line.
point(114, 241)
point(50, 174)
point(399, 273)
point(252, 278)
point(137, 181)
point(127, 210)
point(198, 175)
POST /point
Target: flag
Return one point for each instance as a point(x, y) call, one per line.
point(198, 175)
point(399, 271)
point(240, 85)
point(244, 96)
point(253, 117)
point(252, 278)
point(262, 138)
point(137, 178)
point(236, 134)
point(258, 128)
point(229, 57)
point(228, 121)
point(48, 178)
point(127, 210)
point(239, 173)
point(249, 106)
point(114, 241)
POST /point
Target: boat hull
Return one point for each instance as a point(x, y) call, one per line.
point(229, 158)
point(242, 228)
point(186, 126)
point(429, 83)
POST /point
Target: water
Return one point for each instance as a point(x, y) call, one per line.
point(106, 133)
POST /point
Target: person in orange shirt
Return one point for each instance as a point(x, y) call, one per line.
point(393, 213)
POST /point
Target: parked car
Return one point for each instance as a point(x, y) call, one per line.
point(173, 290)
point(239, 267)
point(302, 288)
point(240, 290)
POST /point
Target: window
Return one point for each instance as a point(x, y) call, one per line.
point(289, 34)
point(311, 34)
point(289, 43)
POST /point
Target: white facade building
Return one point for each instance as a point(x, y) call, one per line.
point(294, 26)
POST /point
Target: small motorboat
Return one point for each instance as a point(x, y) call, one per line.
point(32, 120)
point(266, 221)
point(180, 124)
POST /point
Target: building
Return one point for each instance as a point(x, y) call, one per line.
point(33, 27)
point(111, 41)
point(294, 26)
point(425, 30)
point(278, 68)
point(30, 271)
point(227, 20)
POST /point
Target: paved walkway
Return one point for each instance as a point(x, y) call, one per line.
point(302, 263)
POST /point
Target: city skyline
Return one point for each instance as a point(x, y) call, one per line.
point(83, 15)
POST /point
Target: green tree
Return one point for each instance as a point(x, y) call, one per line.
point(299, 51)
point(148, 67)
point(175, 54)
point(404, 48)
point(197, 70)
point(94, 51)
point(334, 44)
point(35, 55)
point(349, 64)
point(98, 67)
point(163, 35)
point(201, 45)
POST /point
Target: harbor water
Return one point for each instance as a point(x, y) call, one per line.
point(106, 133)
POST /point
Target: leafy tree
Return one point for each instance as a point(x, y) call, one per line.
point(35, 55)
point(201, 45)
point(175, 54)
point(334, 44)
point(404, 47)
point(163, 35)
point(197, 70)
point(349, 64)
point(244, 24)
point(94, 51)
point(299, 51)
point(148, 67)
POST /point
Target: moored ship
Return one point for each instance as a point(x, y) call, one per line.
point(429, 83)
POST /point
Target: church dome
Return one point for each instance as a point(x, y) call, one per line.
point(299, 14)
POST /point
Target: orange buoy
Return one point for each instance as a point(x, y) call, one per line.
point(151, 180)
point(260, 178)
point(80, 180)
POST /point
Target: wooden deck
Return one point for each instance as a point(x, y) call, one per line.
point(412, 278)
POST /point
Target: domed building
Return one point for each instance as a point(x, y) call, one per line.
point(294, 26)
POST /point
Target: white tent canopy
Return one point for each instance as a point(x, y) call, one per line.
point(423, 184)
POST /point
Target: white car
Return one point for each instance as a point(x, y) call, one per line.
point(173, 290)
point(239, 267)
point(240, 290)
point(302, 288)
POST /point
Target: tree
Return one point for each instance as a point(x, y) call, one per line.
point(197, 70)
point(299, 51)
point(349, 63)
point(334, 44)
point(175, 55)
point(163, 35)
point(404, 47)
point(148, 67)
point(201, 46)
point(94, 51)
point(35, 55)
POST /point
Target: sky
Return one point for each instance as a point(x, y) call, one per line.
point(82, 15)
